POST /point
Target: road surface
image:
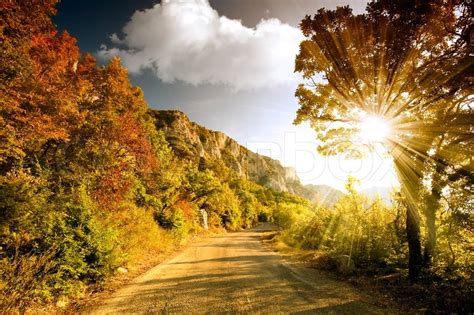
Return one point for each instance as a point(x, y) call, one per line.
point(235, 273)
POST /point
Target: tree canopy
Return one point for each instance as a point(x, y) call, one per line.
point(408, 63)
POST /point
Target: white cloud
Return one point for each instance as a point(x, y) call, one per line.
point(187, 40)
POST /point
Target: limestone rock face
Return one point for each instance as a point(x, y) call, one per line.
point(201, 145)
point(194, 142)
point(290, 174)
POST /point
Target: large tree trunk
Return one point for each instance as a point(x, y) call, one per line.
point(432, 205)
point(414, 243)
point(409, 180)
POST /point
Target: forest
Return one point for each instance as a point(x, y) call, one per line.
point(408, 67)
point(88, 184)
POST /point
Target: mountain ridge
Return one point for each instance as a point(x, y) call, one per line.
point(194, 142)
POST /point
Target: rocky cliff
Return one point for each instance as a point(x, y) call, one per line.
point(197, 143)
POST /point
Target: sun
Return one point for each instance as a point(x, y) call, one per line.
point(374, 129)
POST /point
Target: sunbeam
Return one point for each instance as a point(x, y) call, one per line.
point(374, 129)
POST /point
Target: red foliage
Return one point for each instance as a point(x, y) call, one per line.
point(55, 101)
point(187, 208)
point(113, 187)
point(130, 134)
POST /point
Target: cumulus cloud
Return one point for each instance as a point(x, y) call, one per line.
point(187, 40)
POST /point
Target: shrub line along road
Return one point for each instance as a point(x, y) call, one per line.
point(235, 273)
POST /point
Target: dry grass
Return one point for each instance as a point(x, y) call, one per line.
point(22, 283)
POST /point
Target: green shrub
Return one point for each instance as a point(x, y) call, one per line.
point(356, 227)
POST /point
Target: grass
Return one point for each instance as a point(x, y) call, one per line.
point(427, 296)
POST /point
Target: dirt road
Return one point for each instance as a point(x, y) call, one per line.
point(235, 273)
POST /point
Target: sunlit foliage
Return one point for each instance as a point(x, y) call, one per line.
point(408, 64)
point(360, 236)
point(356, 227)
point(87, 183)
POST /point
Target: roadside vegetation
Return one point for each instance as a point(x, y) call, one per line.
point(404, 71)
point(87, 183)
point(364, 240)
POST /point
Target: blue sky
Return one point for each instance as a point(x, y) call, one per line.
point(227, 64)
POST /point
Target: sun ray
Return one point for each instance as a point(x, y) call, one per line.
point(374, 129)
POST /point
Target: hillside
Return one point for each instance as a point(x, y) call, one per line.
point(196, 143)
point(382, 192)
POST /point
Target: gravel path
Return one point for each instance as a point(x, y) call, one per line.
point(235, 273)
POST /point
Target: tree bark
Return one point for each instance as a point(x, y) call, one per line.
point(414, 243)
point(432, 205)
point(409, 180)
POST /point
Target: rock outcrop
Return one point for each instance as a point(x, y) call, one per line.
point(194, 142)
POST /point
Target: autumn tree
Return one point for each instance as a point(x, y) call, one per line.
point(403, 62)
point(35, 68)
point(77, 145)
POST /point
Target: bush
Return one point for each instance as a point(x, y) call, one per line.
point(356, 227)
point(73, 250)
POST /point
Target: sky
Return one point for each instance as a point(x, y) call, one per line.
point(227, 64)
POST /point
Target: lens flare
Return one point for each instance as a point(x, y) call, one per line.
point(373, 129)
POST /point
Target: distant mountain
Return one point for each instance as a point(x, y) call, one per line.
point(326, 195)
point(383, 192)
point(321, 194)
point(194, 142)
